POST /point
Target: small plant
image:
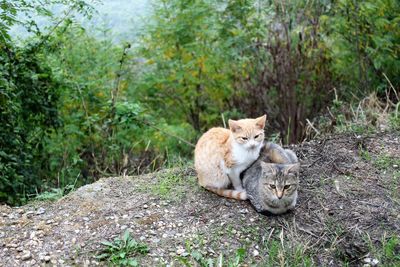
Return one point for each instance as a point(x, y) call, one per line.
point(57, 193)
point(197, 259)
point(52, 195)
point(120, 251)
point(364, 153)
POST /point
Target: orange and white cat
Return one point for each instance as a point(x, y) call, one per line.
point(221, 155)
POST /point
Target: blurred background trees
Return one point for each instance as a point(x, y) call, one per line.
point(76, 106)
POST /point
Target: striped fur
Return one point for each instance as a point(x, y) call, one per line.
point(275, 154)
point(229, 193)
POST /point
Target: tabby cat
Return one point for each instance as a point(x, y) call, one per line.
point(221, 155)
point(271, 182)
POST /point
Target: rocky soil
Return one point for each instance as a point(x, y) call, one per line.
point(348, 213)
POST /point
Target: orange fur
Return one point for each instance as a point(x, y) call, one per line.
point(222, 154)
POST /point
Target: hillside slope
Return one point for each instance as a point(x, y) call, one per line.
point(348, 212)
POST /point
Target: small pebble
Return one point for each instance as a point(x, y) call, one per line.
point(20, 211)
point(255, 253)
point(244, 211)
point(40, 211)
point(32, 235)
point(180, 251)
point(26, 256)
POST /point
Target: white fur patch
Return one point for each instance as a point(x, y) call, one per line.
point(242, 157)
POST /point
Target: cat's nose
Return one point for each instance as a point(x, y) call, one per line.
point(279, 194)
point(252, 145)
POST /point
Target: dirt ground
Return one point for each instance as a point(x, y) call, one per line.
point(348, 213)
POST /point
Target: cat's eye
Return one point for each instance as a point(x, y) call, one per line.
point(272, 186)
point(244, 138)
point(258, 135)
point(287, 186)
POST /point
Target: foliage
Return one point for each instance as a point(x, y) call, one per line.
point(120, 251)
point(290, 78)
point(27, 111)
point(188, 68)
point(77, 107)
point(28, 95)
point(364, 43)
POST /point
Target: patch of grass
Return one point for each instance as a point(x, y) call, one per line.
point(172, 183)
point(390, 255)
point(394, 118)
point(364, 153)
point(120, 251)
point(395, 186)
point(384, 162)
point(387, 251)
point(286, 254)
point(196, 258)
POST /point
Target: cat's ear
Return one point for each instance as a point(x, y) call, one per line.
point(269, 168)
point(292, 168)
point(234, 126)
point(260, 122)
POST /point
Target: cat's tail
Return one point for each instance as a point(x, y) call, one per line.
point(229, 193)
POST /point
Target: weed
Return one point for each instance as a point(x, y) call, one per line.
point(55, 193)
point(119, 252)
point(364, 153)
point(52, 195)
point(196, 258)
